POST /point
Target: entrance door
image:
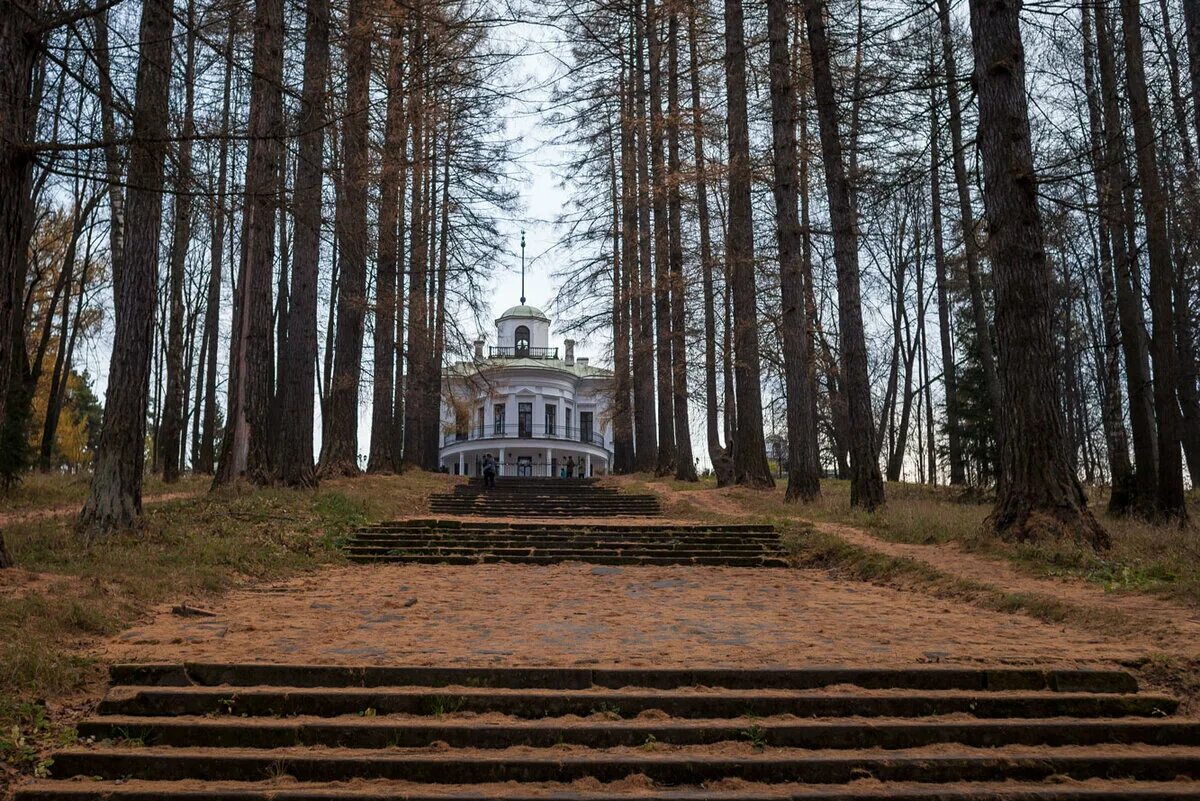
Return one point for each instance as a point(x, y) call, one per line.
point(525, 420)
point(525, 466)
point(585, 426)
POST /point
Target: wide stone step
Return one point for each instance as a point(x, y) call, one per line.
point(590, 557)
point(437, 524)
point(563, 538)
point(1095, 790)
point(927, 678)
point(331, 702)
point(1143, 763)
point(577, 553)
point(381, 732)
point(358, 545)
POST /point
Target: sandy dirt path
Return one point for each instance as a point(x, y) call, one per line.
point(577, 614)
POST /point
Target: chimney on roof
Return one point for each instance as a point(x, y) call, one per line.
point(582, 360)
point(479, 349)
point(570, 352)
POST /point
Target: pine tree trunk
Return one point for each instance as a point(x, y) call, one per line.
point(380, 457)
point(1123, 497)
point(1041, 495)
point(416, 411)
point(685, 464)
point(247, 447)
point(749, 454)
point(804, 473)
point(173, 415)
point(298, 352)
point(1191, 25)
point(722, 464)
point(954, 452)
point(645, 422)
point(1117, 211)
point(624, 259)
point(6, 560)
point(1169, 498)
point(18, 56)
point(966, 215)
point(665, 464)
point(866, 483)
point(339, 450)
point(115, 499)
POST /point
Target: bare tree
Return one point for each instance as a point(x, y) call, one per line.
point(115, 499)
point(1041, 494)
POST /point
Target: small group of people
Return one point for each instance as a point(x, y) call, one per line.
point(491, 467)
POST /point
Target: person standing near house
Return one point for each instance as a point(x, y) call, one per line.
point(570, 467)
point(489, 471)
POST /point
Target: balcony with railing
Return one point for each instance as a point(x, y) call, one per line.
point(511, 352)
point(518, 432)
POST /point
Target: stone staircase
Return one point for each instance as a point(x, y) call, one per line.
point(543, 497)
point(261, 731)
point(461, 542)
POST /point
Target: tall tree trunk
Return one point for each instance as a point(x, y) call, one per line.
point(750, 453)
point(19, 47)
point(181, 235)
point(966, 215)
point(662, 268)
point(339, 451)
point(645, 421)
point(954, 451)
point(1123, 497)
point(1116, 208)
point(1191, 25)
point(247, 447)
point(1169, 499)
point(722, 464)
point(115, 498)
point(866, 483)
point(416, 409)
point(380, 457)
point(1041, 495)
point(685, 464)
point(112, 153)
point(298, 352)
point(804, 473)
point(624, 261)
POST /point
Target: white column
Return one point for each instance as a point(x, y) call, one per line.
point(500, 466)
point(462, 463)
point(589, 466)
point(550, 462)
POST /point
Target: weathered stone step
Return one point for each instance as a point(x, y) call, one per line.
point(422, 524)
point(669, 767)
point(925, 678)
point(390, 791)
point(587, 557)
point(331, 702)
point(563, 544)
point(565, 550)
point(376, 732)
point(565, 536)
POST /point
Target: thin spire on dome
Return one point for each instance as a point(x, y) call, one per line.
point(522, 267)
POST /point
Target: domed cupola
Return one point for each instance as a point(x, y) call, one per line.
point(523, 332)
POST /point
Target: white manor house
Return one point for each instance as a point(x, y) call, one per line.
point(535, 411)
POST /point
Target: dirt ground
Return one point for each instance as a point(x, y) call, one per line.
point(575, 614)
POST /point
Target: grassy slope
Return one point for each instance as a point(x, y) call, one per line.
point(1159, 559)
point(68, 594)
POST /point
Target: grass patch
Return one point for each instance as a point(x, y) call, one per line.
point(43, 491)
